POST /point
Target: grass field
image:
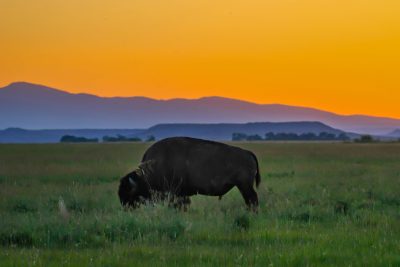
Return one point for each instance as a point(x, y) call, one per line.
point(322, 204)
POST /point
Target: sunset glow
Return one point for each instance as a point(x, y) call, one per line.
point(341, 56)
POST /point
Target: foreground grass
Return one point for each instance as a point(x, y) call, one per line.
point(321, 204)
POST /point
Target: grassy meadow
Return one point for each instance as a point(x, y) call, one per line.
point(321, 204)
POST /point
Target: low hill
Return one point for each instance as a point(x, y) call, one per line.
point(220, 131)
point(224, 131)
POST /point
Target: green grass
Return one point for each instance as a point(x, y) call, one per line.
point(321, 204)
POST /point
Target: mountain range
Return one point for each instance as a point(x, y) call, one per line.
point(33, 106)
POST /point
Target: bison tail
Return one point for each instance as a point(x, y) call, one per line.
point(258, 175)
point(258, 178)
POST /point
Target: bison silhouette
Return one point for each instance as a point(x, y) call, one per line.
point(180, 167)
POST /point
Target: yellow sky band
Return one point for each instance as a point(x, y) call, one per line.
point(341, 56)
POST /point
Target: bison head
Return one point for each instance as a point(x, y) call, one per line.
point(130, 190)
point(133, 188)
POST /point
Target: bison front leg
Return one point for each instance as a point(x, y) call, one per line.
point(185, 203)
point(182, 203)
point(250, 197)
point(179, 202)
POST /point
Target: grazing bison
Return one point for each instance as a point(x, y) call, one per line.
point(180, 167)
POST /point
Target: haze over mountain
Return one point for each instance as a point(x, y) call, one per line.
point(395, 133)
point(34, 106)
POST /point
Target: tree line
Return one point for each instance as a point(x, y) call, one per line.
point(105, 139)
point(271, 136)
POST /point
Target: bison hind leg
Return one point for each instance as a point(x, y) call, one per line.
point(181, 203)
point(186, 203)
point(250, 197)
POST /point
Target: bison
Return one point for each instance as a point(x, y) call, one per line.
point(180, 167)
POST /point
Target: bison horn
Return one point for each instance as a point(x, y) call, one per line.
point(147, 165)
point(139, 171)
point(132, 182)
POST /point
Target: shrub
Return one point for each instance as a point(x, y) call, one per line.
point(150, 138)
point(23, 206)
point(19, 238)
point(77, 139)
point(341, 207)
point(242, 222)
point(172, 230)
point(121, 138)
point(239, 137)
point(365, 139)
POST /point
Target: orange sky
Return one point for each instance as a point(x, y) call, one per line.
point(342, 56)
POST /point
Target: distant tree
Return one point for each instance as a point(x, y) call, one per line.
point(120, 138)
point(75, 139)
point(292, 136)
point(280, 136)
point(254, 137)
point(308, 136)
point(365, 139)
point(270, 136)
point(283, 136)
point(343, 137)
point(134, 139)
point(107, 138)
point(150, 138)
point(326, 136)
point(239, 137)
point(304, 136)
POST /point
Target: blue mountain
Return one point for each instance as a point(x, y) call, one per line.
point(33, 106)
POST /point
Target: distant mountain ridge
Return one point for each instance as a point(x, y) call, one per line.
point(224, 131)
point(33, 106)
point(219, 131)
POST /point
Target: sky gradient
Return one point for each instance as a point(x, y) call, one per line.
point(341, 56)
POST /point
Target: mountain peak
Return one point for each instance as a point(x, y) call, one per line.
point(31, 90)
point(23, 85)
